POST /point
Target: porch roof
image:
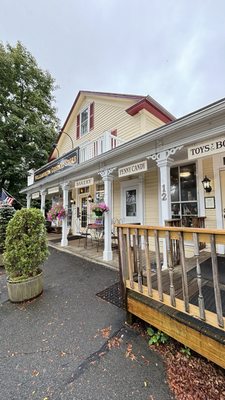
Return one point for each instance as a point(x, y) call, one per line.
point(202, 124)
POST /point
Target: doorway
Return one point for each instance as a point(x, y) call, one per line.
point(83, 206)
point(132, 202)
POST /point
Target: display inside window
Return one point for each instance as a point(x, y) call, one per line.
point(183, 191)
point(84, 122)
point(131, 203)
point(99, 193)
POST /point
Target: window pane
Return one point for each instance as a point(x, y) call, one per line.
point(131, 203)
point(174, 184)
point(188, 182)
point(84, 122)
point(190, 208)
point(175, 210)
point(84, 115)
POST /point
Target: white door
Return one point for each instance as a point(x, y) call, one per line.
point(132, 202)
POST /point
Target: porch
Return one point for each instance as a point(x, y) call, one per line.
point(186, 301)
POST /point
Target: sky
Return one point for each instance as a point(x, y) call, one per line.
point(172, 50)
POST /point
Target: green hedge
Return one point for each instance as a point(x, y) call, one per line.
point(26, 244)
point(6, 213)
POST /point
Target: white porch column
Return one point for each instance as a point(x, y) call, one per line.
point(28, 200)
point(65, 188)
point(107, 179)
point(164, 169)
point(43, 196)
point(164, 162)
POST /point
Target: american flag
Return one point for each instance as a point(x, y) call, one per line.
point(5, 199)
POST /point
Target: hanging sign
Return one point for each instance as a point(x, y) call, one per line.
point(84, 183)
point(35, 195)
point(206, 148)
point(66, 161)
point(53, 190)
point(133, 169)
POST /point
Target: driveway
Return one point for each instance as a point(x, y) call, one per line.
point(69, 344)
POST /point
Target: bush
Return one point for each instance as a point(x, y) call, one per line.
point(26, 244)
point(6, 213)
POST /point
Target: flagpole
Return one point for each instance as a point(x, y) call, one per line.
point(8, 194)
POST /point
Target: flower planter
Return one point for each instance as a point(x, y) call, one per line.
point(25, 290)
point(99, 221)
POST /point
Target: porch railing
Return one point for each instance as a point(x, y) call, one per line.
point(99, 146)
point(141, 249)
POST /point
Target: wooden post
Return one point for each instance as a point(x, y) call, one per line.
point(216, 282)
point(183, 272)
point(148, 263)
point(138, 261)
point(158, 265)
point(171, 268)
point(129, 259)
point(201, 303)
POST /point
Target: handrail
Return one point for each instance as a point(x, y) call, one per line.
point(142, 245)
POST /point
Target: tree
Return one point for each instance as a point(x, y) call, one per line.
point(28, 122)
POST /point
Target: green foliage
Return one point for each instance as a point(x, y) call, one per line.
point(186, 351)
point(26, 244)
point(157, 337)
point(28, 122)
point(6, 213)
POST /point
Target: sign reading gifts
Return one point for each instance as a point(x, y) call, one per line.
point(84, 182)
point(133, 169)
point(206, 148)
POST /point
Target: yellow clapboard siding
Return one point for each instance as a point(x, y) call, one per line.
point(210, 214)
point(109, 114)
point(151, 198)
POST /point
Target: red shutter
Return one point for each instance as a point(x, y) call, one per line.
point(78, 127)
point(91, 116)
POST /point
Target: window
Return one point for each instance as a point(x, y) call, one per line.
point(84, 116)
point(99, 193)
point(183, 191)
point(85, 121)
point(131, 203)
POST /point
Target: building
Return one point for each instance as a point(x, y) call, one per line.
point(148, 166)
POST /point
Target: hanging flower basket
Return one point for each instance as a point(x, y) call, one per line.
point(99, 209)
point(57, 212)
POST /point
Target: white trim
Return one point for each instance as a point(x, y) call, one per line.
point(132, 184)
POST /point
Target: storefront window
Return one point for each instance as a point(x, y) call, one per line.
point(183, 191)
point(131, 203)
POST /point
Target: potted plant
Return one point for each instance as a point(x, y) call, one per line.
point(6, 213)
point(98, 209)
point(56, 214)
point(25, 250)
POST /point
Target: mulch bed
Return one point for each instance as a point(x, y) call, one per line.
point(189, 378)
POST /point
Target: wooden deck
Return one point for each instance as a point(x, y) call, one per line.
point(186, 301)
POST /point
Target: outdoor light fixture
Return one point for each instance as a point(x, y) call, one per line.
point(65, 133)
point(90, 198)
point(206, 184)
point(72, 201)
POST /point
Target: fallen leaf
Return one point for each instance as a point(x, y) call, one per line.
point(35, 372)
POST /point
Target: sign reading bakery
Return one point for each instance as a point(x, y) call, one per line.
point(58, 165)
point(84, 182)
point(133, 169)
point(206, 148)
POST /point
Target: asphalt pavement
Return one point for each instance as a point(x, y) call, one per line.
point(69, 344)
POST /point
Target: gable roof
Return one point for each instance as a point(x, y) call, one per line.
point(143, 102)
point(149, 104)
